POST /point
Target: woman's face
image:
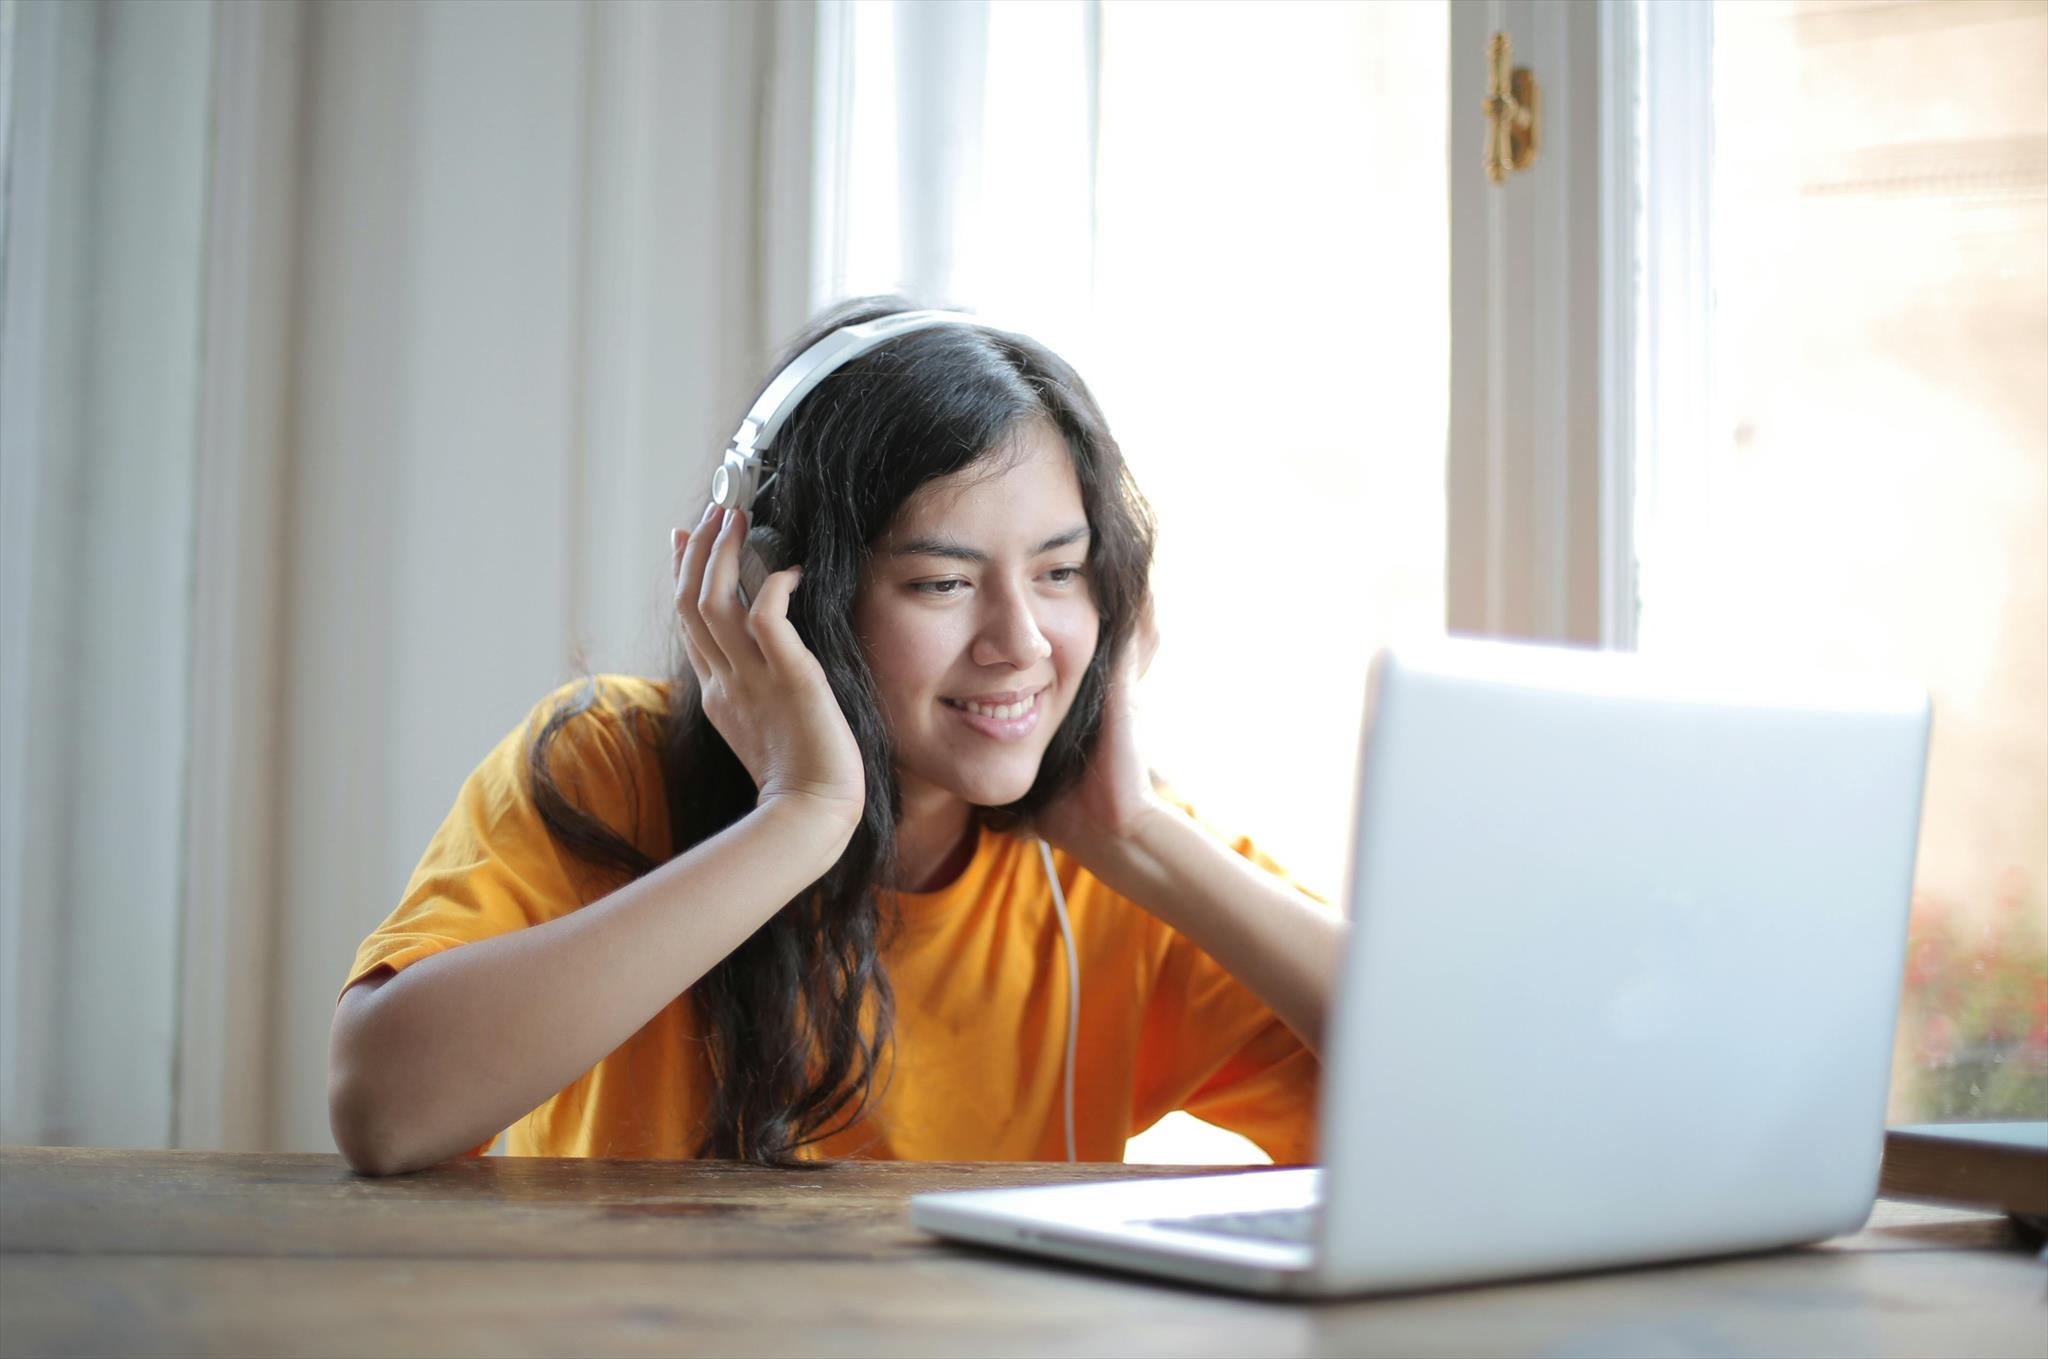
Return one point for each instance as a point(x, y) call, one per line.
point(979, 594)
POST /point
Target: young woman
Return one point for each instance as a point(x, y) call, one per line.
point(799, 900)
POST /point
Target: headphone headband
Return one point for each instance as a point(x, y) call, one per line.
point(739, 478)
point(826, 357)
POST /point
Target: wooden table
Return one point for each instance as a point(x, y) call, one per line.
point(176, 1253)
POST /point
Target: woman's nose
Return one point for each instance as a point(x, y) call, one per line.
point(1011, 635)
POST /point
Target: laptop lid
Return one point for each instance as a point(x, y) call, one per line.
point(1628, 941)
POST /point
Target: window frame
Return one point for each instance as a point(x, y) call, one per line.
point(1547, 396)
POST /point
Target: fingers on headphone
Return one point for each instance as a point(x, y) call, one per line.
point(718, 598)
point(768, 622)
point(677, 539)
point(692, 547)
point(722, 568)
point(699, 632)
point(696, 658)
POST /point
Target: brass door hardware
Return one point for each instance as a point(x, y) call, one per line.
point(1511, 112)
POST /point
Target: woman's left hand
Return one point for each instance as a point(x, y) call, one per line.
point(1115, 795)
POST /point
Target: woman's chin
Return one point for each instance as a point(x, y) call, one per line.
point(992, 791)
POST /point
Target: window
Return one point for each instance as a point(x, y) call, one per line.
point(1838, 408)
point(1873, 490)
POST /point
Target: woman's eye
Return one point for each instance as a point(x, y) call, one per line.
point(1062, 575)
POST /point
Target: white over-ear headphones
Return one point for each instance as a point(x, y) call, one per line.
point(745, 472)
point(737, 481)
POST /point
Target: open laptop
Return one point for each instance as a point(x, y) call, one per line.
point(1626, 948)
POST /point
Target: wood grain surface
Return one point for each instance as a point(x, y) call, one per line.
point(176, 1253)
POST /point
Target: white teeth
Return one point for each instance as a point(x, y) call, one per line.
point(1002, 712)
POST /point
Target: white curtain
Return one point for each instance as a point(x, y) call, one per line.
point(99, 393)
point(957, 156)
point(358, 360)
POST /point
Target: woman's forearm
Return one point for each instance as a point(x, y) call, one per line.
point(1284, 947)
point(461, 1045)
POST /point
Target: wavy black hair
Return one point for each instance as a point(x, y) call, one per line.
point(797, 1019)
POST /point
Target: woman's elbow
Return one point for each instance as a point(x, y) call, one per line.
point(366, 1146)
point(360, 1125)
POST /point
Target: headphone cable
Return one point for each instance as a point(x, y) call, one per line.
point(1059, 904)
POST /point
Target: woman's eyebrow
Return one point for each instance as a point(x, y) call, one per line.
point(946, 547)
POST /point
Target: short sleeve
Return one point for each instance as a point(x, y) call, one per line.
point(493, 867)
point(1214, 1049)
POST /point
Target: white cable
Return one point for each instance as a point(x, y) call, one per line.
point(1059, 905)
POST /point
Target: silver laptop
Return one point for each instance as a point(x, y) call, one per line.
point(1626, 948)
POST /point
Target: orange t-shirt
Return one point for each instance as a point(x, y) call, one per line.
point(978, 967)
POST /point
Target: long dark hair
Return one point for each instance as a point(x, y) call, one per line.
point(797, 1018)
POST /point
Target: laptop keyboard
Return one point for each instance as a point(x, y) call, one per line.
point(1280, 1224)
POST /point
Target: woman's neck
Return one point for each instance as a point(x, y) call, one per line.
point(934, 844)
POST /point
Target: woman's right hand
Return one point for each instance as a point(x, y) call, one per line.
point(762, 688)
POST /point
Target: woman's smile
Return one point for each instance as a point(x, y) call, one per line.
point(1000, 722)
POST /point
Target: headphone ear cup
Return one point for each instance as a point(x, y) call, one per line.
point(764, 554)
